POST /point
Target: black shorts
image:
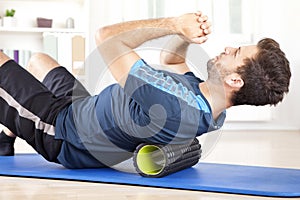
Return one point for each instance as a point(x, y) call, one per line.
point(29, 108)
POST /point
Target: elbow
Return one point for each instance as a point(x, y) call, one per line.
point(171, 58)
point(163, 58)
point(101, 35)
point(166, 58)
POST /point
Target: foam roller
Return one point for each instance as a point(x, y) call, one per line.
point(158, 160)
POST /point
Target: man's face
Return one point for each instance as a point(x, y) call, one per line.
point(228, 61)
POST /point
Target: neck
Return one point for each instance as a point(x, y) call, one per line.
point(217, 97)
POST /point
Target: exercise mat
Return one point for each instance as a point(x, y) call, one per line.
point(234, 179)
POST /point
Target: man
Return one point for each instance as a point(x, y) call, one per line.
point(68, 126)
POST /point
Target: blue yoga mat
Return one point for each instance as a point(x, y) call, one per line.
point(235, 179)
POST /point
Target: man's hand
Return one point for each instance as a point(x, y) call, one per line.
point(194, 27)
point(191, 28)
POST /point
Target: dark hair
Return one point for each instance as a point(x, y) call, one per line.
point(266, 76)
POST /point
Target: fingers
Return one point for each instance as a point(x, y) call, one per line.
point(204, 24)
point(206, 27)
point(194, 26)
point(202, 18)
point(198, 13)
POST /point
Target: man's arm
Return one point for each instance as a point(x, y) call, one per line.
point(116, 43)
point(173, 55)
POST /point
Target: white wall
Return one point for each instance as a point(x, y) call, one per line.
point(279, 21)
point(274, 18)
point(288, 33)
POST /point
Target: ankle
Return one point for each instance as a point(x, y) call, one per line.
point(8, 132)
point(4, 138)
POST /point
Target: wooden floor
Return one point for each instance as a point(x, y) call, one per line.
point(262, 148)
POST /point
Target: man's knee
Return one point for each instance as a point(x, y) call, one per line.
point(42, 60)
point(3, 58)
point(40, 64)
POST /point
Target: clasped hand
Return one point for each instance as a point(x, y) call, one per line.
point(194, 27)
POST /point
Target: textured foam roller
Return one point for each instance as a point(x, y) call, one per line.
point(158, 160)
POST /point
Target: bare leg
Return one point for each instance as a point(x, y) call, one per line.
point(40, 65)
point(3, 58)
point(8, 132)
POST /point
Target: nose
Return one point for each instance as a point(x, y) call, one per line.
point(229, 50)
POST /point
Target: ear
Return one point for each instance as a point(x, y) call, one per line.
point(234, 80)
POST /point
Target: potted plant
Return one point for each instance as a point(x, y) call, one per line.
point(9, 19)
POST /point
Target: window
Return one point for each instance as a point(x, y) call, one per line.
point(234, 20)
point(235, 16)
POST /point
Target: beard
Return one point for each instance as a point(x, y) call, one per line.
point(217, 71)
point(213, 70)
point(210, 65)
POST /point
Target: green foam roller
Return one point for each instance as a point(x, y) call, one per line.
point(156, 161)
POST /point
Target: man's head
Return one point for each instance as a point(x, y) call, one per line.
point(257, 75)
